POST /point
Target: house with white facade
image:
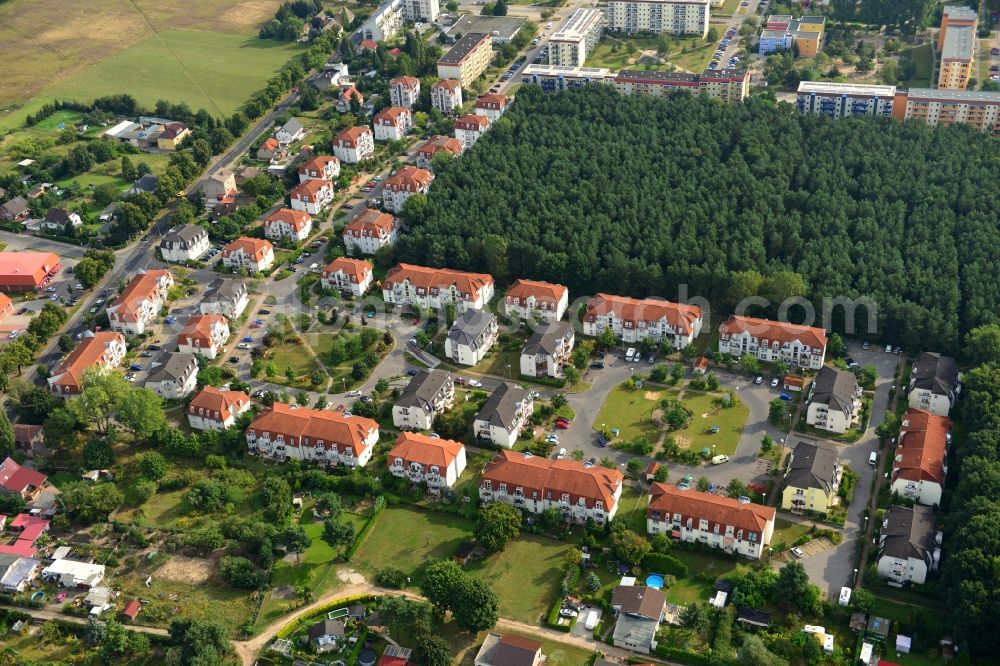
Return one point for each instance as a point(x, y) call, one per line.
point(909, 545)
point(312, 435)
point(392, 123)
point(253, 254)
point(354, 144)
point(173, 376)
point(533, 299)
point(834, 401)
point(437, 287)
point(446, 96)
point(920, 462)
point(446, 145)
point(348, 275)
point(185, 243)
point(216, 409)
point(103, 349)
point(431, 460)
point(934, 384)
point(203, 334)
point(319, 167)
point(503, 417)
point(721, 522)
point(421, 10)
point(406, 182)
point(385, 22)
point(428, 394)
point(288, 224)
point(368, 231)
point(290, 132)
point(312, 196)
point(470, 337)
point(140, 302)
point(534, 484)
point(634, 320)
point(492, 106)
point(548, 350)
point(225, 296)
point(73, 574)
point(469, 128)
point(404, 91)
point(639, 611)
point(773, 341)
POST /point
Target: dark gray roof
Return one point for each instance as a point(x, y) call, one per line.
point(908, 532)
point(172, 366)
point(462, 48)
point(835, 388)
point(935, 373)
point(326, 628)
point(546, 338)
point(513, 650)
point(293, 126)
point(224, 289)
point(812, 466)
point(502, 406)
point(752, 616)
point(57, 216)
point(183, 237)
point(472, 324)
point(423, 388)
point(16, 206)
point(148, 183)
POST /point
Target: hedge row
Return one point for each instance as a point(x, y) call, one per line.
point(683, 656)
point(367, 529)
point(668, 565)
point(553, 619)
point(290, 628)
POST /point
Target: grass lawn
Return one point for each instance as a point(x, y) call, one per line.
point(728, 8)
point(705, 563)
point(787, 532)
point(632, 508)
point(464, 647)
point(207, 70)
point(687, 591)
point(923, 57)
point(619, 53)
point(696, 59)
point(912, 659)
point(163, 510)
point(292, 356)
point(629, 411)
point(698, 432)
point(496, 364)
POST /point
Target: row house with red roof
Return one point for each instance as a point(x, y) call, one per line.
point(140, 302)
point(392, 123)
point(634, 320)
point(350, 275)
point(317, 435)
point(311, 196)
point(319, 167)
point(773, 341)
point(921, 457)
point(203, 334)
point(431, 460)
point(370, 230)
point(728, 524)
point(532, 299)
point(253, 254)
point(435, 288)
point(404, 91)
point(354, 144)
point(289, 224)
point(403, 184)
point(535, 484)
point(216, 409)
point(105, 349)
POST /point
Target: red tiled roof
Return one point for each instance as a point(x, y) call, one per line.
point(391, 116)
point(409, 179)
point(200, 328)
point(544, 292)
point(765, 329)
point(350, 136)
point(438, 143)
point(678, 315)
point(794, 380)
point(333, 428)
point(450, 84)
point(310, 189)
point(472, 122)
point(439, 278)
point(358, 269)
point(717, 510)
point(90, 352)
point(702, 363)
point(558, 476)
point(427, 451)
point(386, 660)
point(923, 442)
point(270, 144)
point(21, 548)
point(492, 101)
point(296, 219)
point(140, 289)
point(316, 164)
point(368, 44)
point(26, 269)
point(254, 247)
point(218, 404)
point(31, 527)
point(132, 609)
point(408, 81)
point(371, 222)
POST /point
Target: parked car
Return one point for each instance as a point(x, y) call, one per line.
point(774, 383)
point(14, 333)
point(759, 380)
point(562, 425)
point(888, 349)
point(412, 372)
point(597, 366)
point(797, 553)
point(170, 320)
point(785, 396)
point(243, 345)
point(353, 394)
point(136, 367)
point(865, 345)
point(234, 359)
point(475, 383)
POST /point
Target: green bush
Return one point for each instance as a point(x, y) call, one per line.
point(662, 563)
point(553, 619)
point(362, 536)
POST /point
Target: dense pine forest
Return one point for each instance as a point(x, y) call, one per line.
point(635, 195)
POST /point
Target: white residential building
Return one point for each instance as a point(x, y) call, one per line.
point(772, 341)
point(289, 224)
point(407, 181)
point(103, 349)
point(310, 197)
point(548, 350)
point(921, 457)
point(203, 334)
point(74, 574)
point(834, 401)
point(320, 167)
point(348, 275)
point(369, 231)
point(492, 106)
point(315, 435)
point(392, 123)
point(435, 288)
point(226, 297)
point(503, 417)
point(185, 243)
point(576, 38)
point(934, 384)
point(173, 376)
point(215, 409)
point(385, 22)
point(633, 320)
point(909, 546)
point(140, 302)
point(404, 91)
point(446, 96)
point(422, 459)
point(469, 128)
point(425, 11)
point(531, 299)
point(676, 17)
point(428, 394)
point(290, 132)
point(470, 337)
point(354, 144)
point(254, 254)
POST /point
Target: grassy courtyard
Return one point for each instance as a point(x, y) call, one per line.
point(407, 538)
point(631, 411)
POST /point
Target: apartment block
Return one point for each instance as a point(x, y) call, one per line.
point(467, 59)
point(845, 100)
point(956, 17)
point(469, 128)
point(446, 95)
point(782, 32)
point(677, 17)
point(421, 10)
point(729, 85)
point(369, 231)
point(576, 38)
point(772, 341)
point(437, 287)
point(555, 78)
point(957, 57)
point(385, 22)
point(980, 110)
point(316, 435)
point(404, 91)
point(633, 320)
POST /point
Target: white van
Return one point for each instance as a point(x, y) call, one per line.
point(719, 459)
point(561, 454)
point(873, 458)
point(630, 354)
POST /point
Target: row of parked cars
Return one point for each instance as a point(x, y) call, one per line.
point(721, 51)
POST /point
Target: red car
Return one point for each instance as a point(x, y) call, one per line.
point(562, 425)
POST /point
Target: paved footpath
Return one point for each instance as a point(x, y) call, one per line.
point(44, 615)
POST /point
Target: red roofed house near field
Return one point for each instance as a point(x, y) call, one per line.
point(437, 287)
point(771, 341)
point(346, 274)
point(141, 302)
point(18, 480)
point(26, 271)
point(254, 254)
point(634, 320)
point(921, 461)
point(105, 349)
point(354, 144)
point(295, 225)
point(369, 231)
point(530, 299)
point(131, 610)
point(720, 522)
point(534, 483)
point(422, 459)
point(319, 167)
point(215, 409)
point(312, 434)
point(406, 182)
